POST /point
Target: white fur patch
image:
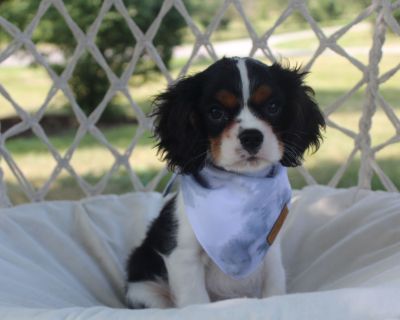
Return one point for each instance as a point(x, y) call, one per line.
point(244, 77)
point(149, 294)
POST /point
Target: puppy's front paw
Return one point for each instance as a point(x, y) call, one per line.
point(275, 279)
point(147, 294)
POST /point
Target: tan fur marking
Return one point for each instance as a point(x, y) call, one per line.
point(215, 143)
point(227, 99)
point(215, 146)
point(281, 145)
point(261, 94)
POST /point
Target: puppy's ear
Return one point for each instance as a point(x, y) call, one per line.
point(303, 119)
point(178, 127)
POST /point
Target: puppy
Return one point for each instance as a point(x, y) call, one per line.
point(229, 131)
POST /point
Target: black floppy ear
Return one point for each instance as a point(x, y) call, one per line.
point(181, 140)
point(304, 120)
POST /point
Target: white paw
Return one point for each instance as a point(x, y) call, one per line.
point(148, 294)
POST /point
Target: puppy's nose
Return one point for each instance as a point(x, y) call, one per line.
point(251, 140)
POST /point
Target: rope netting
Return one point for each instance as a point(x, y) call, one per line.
point(380, 11)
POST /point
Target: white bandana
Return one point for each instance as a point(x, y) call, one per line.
point(232, 215)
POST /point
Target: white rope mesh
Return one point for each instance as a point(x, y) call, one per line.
point(380, 10)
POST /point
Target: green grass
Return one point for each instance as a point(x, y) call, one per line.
point(92, 159)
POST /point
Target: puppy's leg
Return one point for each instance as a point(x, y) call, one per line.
point(147, 275)
point(186, 265)
point(148, 294)
point(186, 276)
point(275, 276)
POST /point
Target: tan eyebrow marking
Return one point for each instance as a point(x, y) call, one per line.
point(261, 94)
point(227, 99)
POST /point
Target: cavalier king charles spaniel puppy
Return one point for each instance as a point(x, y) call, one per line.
point(229, 132)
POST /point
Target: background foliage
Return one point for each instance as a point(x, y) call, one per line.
point(114, 39)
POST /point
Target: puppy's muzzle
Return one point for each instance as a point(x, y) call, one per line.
point(251, 140)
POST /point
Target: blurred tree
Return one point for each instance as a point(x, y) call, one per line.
point(114, 39)
point(202, 11)
point(396, 15)
point(326, 9)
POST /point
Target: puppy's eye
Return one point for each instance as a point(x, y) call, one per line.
point(216, 114)
point(273, 108)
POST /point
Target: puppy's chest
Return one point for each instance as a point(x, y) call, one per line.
point(221, 286)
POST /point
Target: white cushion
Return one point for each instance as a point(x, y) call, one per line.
point(66, 259)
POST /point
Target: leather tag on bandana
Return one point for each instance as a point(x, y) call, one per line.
point(277, 225)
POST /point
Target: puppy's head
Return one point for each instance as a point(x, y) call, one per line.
point(239, 114)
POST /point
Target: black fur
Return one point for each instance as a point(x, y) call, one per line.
point(183, 130)
point(145, 263)
point(301, 128)
point(181, 140)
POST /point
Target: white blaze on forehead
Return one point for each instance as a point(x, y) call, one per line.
point(244, 77)
point(246, 118)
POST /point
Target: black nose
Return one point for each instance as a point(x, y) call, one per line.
point(251, 140)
